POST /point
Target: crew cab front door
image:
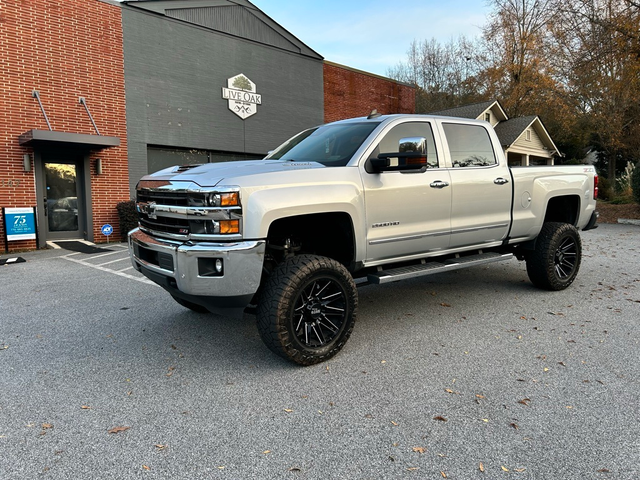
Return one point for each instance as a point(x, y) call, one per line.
point(407, 212)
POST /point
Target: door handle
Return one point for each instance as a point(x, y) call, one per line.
point(438, 184)
point(500, 181)
point(46, 207)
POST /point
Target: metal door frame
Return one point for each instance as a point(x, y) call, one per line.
point(83, 183)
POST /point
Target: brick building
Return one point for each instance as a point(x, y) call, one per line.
point(72, 147)
point(52, 156)
point(352, 93)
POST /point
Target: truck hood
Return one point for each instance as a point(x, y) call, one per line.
point(211, 174)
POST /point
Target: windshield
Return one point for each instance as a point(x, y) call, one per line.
point(331, 145)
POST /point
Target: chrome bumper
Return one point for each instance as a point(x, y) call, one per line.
point(175, 265)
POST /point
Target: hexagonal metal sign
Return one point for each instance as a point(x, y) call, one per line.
point(242, 96)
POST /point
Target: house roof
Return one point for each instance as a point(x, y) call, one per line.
point(510, 130)
point(473, 110)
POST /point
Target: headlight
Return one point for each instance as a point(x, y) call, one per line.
point(223, 199)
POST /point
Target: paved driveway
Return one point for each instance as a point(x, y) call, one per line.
point(464, 375)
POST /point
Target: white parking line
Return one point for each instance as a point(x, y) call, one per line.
point(113, 261)
point(101, 255)
point(115, 272)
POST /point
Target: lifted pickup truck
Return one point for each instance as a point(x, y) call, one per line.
point(366, 200)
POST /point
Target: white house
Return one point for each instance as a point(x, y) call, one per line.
point(525, 140)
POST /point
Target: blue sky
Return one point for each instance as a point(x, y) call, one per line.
point(374, 35)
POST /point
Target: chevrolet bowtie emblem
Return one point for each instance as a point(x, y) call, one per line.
point(150, 210)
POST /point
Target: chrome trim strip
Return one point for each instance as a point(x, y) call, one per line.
point(181, 186)
point(184, 238)
point(410, 237)
point(191, 213)
point(476, 229)
point(436, 234)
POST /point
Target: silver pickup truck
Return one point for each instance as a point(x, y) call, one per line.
point(360, 201)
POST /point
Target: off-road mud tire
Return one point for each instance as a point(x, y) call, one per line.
point(555, 262)
point(307, 309)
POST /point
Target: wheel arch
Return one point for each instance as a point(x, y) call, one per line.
point(328, 234)
point(563, 209)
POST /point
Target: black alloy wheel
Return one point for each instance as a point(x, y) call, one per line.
point(319, 312)
point(566, 257)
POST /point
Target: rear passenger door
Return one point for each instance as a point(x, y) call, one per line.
point(480, 187)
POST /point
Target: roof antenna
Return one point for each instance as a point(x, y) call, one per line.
point(374, 114)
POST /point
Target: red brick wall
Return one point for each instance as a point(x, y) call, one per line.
point(351, 93)
point(65, 49)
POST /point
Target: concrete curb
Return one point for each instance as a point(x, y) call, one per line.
point(627, 221)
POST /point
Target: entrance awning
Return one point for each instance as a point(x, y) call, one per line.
point(43, 138)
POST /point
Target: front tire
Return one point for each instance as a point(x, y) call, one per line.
point(555, 262)
point(307, 309)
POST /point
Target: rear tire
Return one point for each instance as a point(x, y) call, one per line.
point(307, 309)
point(555, 262)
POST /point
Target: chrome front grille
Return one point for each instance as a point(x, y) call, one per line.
point(183, 214)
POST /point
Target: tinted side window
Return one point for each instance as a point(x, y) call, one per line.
point(391, 141)
point(469, 145)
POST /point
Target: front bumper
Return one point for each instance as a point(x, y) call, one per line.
point(175, 266)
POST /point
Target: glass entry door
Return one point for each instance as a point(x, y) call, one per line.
point(63, 200)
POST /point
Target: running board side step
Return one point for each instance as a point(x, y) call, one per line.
point(402, 273)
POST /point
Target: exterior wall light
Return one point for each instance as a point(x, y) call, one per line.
point(26, 162)
point(98, 166)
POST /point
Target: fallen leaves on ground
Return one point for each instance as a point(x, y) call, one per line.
point(525, 401)
point(419, 449)
point(118, 429)
point(440, 418)
point(45, 427)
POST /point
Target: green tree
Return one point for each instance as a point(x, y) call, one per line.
point(242, 83)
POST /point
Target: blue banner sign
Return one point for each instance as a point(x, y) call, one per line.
point(20, 223)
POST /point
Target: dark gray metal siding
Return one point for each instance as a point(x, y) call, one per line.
point(235, 20)
point(174, 75)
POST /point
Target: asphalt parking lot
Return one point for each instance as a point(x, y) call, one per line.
point(471, 374)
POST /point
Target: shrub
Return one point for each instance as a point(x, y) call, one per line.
point(635, 183)
point(605, 190)
point(128, 217)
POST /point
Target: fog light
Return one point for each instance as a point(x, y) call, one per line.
point(210, 267)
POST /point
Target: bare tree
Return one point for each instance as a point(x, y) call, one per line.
point(441, 72)
point(597, 52)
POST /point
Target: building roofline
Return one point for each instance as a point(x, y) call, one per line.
point(375, 75)
point(154, 11)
